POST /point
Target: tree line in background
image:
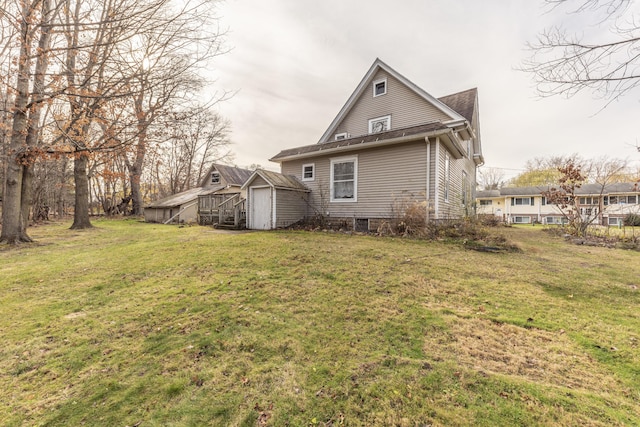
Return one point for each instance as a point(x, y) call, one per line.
point(547, 171)
point(100, 102)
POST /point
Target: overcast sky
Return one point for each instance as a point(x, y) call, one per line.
point(294, 63)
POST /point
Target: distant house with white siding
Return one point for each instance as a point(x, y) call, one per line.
point(392, 144)
point(607, 204)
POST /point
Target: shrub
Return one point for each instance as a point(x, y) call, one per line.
point(632, 220)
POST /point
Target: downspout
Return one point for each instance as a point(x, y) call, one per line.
point(436, 177)
point(428, 192)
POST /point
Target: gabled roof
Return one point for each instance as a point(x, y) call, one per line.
point(463, 102)
point(179, 199)
point(364, 85)
point(584, 190)
point(277, 180)
point(231, 174)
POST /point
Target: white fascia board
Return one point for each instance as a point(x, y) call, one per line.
point(363, 146)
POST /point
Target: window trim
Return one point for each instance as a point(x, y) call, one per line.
point(515, 217)
point(345, 159)
point(447, 176)
point(313, 172)
point(340, 136)
point(376, 83)
point(387, 118)
point(465, 188)
point(530, 199)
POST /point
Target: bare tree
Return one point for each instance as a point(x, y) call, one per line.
point(199, 137)
point(565, 62)
point(491, 178)
point(33, 21)
point(564, 194)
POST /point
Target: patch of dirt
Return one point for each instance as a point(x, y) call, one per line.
point(75, 315)
point(533, 354)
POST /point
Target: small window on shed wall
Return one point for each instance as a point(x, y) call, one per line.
point(215, 177)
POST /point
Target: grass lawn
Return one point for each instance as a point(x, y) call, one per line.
point(139, 324)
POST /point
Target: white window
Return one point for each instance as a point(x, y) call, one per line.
point(340, 136)
point(465, 188)
point(380, 124)
point(615, 221)
point(522, 219)
point(215, 177)
point(379, 87)
point(486, 202)
point(447, 176)
point(309, 172)
point(522, 201)
point(344, 179)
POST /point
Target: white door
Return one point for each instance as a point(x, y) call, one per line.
point(261, 208)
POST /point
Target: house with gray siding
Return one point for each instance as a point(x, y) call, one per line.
point(391, 145)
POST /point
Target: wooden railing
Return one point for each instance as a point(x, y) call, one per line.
point(222, 210)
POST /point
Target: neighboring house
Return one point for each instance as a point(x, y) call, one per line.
point(391, 145)
point(220, 187)
point(526, 205)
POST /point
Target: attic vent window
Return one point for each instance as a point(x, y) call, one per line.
point(380, 124)
point(215, 177)
point(341, 136)
point(379, 87)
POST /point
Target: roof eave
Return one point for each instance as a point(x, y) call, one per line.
point(363, 146)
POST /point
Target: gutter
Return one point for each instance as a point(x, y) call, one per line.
point(359, 146)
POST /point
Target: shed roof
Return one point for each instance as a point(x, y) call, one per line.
point(231, 174)
point(278, 180)
point(179, 199)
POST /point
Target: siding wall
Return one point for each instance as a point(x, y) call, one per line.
point(453, 206)
point(403, 104)
point(259, 182)
point(387, 177)
point(162, 214)
point(291, 207)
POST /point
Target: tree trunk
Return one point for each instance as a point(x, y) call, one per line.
point(11, 218)
point(135, 169)
point(32, 138)
point(81, 180)
point(136, 194)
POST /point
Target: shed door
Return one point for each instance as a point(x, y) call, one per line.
point(261, 208)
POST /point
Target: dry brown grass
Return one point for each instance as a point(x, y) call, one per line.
point(529, 354)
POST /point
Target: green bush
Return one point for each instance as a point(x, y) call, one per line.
point(632, 219)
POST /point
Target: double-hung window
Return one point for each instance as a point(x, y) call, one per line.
point(447, 176)
point(344, 179)
point(522, 201)
point(308, 172)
